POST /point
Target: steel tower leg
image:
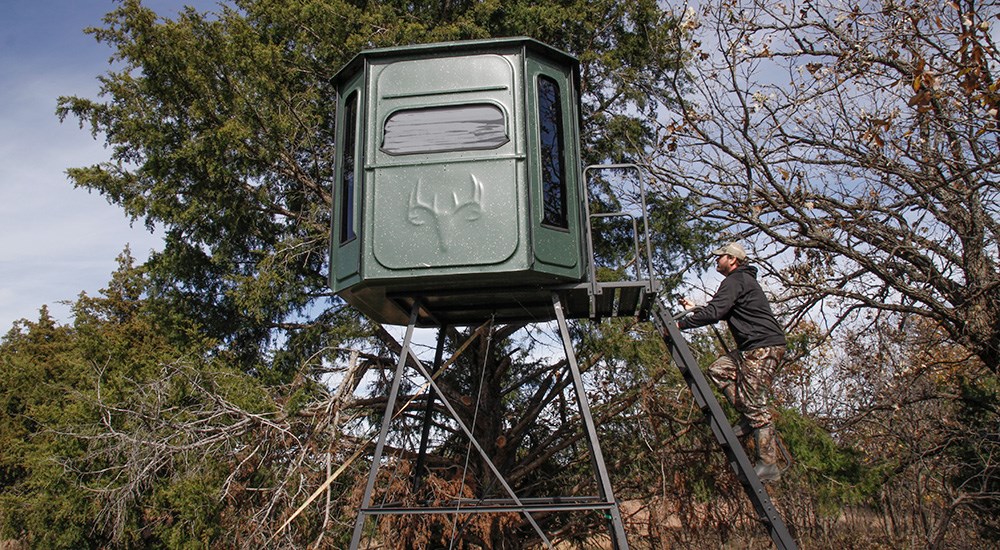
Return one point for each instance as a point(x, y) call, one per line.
point(418, 470)
point(359, 524)
point(618, 539)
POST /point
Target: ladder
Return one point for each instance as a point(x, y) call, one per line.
point(721, 428)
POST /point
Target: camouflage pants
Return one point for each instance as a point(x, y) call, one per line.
point(745, 379)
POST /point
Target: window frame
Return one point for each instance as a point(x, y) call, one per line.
point(348, 169)
point(553, 123)
point(448, 147)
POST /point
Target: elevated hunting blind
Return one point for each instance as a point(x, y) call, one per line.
point(460, 198)
point(458, 181)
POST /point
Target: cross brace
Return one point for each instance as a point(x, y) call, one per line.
point(604, 501)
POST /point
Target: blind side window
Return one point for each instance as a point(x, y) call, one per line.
point(552, 151)
point(347, 172)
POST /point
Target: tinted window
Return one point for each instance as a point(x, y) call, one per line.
point(437, 129)
point(550, 129)
point(347, 165)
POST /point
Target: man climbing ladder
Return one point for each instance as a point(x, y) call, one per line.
point(744, 376)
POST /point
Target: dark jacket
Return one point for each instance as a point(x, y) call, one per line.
point(741, 302)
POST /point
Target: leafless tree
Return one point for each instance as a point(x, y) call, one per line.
point(936, 442)
point(856, 146)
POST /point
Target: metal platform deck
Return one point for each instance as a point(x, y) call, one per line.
point(470, 306)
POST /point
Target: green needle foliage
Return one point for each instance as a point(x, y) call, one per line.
point(220, 127)
point(111, 429)
point(207, 393)
point(220, 132)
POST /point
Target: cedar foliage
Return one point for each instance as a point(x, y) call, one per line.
point(220, 128)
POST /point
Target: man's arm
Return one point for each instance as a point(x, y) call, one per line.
point(716, 309)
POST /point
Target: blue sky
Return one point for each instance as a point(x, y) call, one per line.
point(55, 240)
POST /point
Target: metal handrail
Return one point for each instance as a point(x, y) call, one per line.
point(652, 284)
point(635, 239)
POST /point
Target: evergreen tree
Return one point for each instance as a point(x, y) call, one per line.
point(119, 429)
point(220, 127)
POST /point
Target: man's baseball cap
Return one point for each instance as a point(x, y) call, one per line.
point(732, 249)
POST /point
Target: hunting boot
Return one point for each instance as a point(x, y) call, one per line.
point(767, 453)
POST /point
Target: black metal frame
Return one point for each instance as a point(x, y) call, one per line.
point(605, 499)
point(648, 281)
point(590, 299)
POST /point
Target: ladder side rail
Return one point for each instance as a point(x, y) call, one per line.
point(701, 389)
point(721, 428)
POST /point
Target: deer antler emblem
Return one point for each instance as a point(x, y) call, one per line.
point(446, 217)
